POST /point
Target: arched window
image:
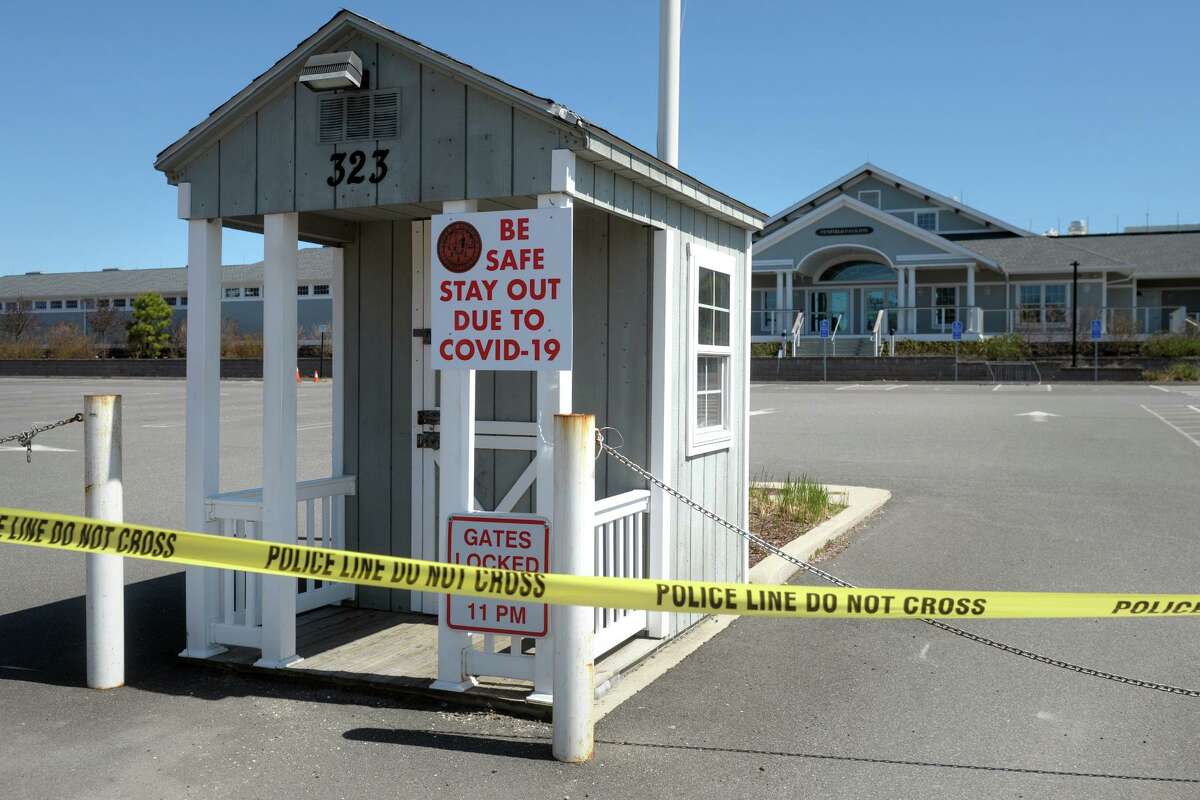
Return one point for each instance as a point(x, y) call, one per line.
point(859, 271)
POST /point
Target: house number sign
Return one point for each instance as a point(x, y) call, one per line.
point(356, 160)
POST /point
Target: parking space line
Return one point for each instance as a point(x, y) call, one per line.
point(1160, 388)
point(1175, 427)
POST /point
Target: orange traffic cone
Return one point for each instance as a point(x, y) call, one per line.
point(316, 377)
point(297, 375)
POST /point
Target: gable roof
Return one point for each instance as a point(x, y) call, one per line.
point(882, 217)
point(600, 142)
point(868, 170)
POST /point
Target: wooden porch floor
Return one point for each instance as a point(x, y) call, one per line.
point(378, 651)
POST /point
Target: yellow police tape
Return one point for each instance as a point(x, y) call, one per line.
point(83, 535)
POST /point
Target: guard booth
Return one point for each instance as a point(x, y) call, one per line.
point(357, 139)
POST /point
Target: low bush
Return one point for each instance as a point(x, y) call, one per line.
point(797, 500)
point(69, 341)
point(1005, 347)
point(1179, 371)
point(764, 349)
point(21, 349)
point(237, 345)
point(1171, 345)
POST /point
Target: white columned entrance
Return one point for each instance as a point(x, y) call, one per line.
point(202, 437)
point(456, 488)
point(901, 299)
point(280, 262)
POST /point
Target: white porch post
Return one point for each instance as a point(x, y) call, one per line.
point(662, 440)
point(776, 325)
point(553, 397)
point(788, 316)
point(456, 489)
point(1104, 302)
point(202, 436)
point(339, 372)
point(901, 298)
point(912, 299)
point(280, 263)
point(973, 324)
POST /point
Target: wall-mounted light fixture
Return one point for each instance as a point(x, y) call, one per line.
point(329, 71)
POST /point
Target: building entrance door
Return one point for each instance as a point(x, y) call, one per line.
point(831, 304)
point(876, 300)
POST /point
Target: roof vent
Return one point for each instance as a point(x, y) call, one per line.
point(35, 272)
point(111, 269)
point(329, 71)
point(358, 117)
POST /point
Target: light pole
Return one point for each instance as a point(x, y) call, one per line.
point(1074, 313)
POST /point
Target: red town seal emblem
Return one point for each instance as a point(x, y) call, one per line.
point(459, 247)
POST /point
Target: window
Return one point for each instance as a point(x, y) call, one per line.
point(72, 303)
point(320, 288)
point(302, 291)
point(39, 305)
point(927, 220)
point(709, 417)
point(119, 302)
point(170, 300)
point(1042, 304)
point(860, 271)
point(872, 197)
point(10, 306)
point(233, 291)
point(252, 291)
point(183, 300)
point(56, 305)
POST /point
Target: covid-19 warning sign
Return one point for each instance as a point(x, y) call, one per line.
point(502, 290)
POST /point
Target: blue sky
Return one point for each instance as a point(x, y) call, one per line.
point(1036, 112)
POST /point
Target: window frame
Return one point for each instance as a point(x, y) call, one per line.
point(878, 195)
point(936, 220)
point(701, 441)
point(322, 290)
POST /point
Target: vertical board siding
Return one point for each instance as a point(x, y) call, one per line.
point(443, 136)
point(402, 412)
point(238, 158)
point(489, 146)
point(534, 141)
point(375, 399)
point(364, 194)
point(402, 184)
point(312, 158)
point(204, 174)
point(276, 163)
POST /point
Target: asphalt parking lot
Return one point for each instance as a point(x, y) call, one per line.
point(1098, 491)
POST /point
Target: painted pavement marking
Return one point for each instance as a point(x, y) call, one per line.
point(1171, 424)
point(761, 411)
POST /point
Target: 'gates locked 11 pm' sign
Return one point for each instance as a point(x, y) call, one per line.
point(515, 542)
point(501, 284)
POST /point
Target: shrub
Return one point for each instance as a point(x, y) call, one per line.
point(764, 349)
point(65, 340)
point(1167, 345)
point(797, 500)
point(236, 345)
point(1179, 371)
point(21, 349)
point(1006, 347)
point(149, 326)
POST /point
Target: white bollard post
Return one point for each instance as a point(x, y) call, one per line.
point(572, 553)
point(104, 499)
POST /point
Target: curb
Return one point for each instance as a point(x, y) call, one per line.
point(622, 684)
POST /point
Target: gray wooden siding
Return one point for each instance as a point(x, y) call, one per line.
point(454, 142)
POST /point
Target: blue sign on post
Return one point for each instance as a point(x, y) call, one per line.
point(956, 330)
point(824, 329)
point(1095, 329)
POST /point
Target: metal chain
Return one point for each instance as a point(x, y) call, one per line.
point(25, 438)
point(808, 566)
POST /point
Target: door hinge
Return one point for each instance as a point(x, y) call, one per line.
point(429, 440)
point(429, 416)
point(425, 333)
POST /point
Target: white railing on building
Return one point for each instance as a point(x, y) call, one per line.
point(621, 552)
point(797, 332)
point(320, 522)
point(877, 331)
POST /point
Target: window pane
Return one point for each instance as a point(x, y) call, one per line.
point(706, 325)
point(722, 284)
point(707, 292)
point(722, 328)
point(927, 220)
point(1031, 295)
point(1056, 294)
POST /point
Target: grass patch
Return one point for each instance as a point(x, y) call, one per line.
point(1179, 371)
point(781, 512)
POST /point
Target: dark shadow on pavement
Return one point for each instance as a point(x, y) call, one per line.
point(512, 747)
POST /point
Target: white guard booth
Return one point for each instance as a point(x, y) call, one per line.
point(368, 141)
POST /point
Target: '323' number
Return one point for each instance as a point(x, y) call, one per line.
point(357, 159)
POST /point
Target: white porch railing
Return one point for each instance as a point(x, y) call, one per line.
point(321, 515)
point(877, 332)
point(621, 552)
